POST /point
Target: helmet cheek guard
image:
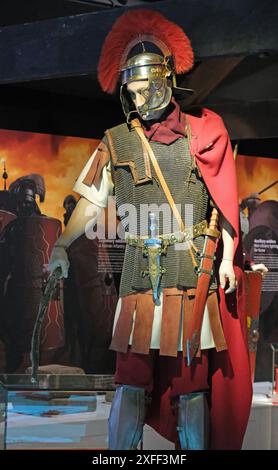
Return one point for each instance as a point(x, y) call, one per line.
point(157, 97)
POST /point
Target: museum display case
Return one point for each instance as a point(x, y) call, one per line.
point(57, 411)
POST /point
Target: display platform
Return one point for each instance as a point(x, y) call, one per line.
point(71, 412)
point(58, 411)
point(262, 430)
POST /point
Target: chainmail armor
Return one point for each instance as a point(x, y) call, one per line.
point(186, 187)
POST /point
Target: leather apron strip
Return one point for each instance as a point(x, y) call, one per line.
point(101, 158)
point(123, 327)
point(215, 322)
point(171, 321)
point(188, 304)
point(142, 333)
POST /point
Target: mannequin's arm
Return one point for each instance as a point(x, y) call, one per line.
point(226, 270)
point(83, 217)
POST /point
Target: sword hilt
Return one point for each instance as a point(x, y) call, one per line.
point(153, 225)
point(213, 223)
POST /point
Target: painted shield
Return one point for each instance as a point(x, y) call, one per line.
point(29, 242)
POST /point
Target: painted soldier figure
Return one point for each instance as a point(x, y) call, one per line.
point(180, 329)
point(26, 245)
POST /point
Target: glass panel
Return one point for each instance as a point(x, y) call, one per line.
point(274, 348)
point(60, 411)
point(58, 382)
point(3, 408)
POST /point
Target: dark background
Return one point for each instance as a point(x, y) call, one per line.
point(49, 51)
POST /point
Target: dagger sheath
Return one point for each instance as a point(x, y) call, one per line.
point(153, 250)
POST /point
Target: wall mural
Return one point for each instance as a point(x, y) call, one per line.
point(36, 201)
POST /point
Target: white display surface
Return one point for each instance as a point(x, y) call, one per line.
point(88, 430)
point(262, 431)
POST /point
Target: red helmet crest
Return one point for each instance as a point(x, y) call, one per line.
point(137, 26)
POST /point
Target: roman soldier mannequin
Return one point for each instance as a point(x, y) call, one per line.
point(167, 159)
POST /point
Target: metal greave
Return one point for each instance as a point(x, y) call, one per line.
point(126, 419)
point(193, 421)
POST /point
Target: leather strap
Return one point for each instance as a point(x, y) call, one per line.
point(140, 132)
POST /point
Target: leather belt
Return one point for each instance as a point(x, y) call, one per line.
point(171, 238)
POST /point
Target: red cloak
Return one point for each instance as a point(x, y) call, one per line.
point(230, 393)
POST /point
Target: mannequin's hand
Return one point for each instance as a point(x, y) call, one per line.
point(59, 258)
point(260, 267)
point(226, 273)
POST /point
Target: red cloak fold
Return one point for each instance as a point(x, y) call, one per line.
point(229, 374)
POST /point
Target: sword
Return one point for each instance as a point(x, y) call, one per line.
point(204, 272)
point(35, 342)
point(153, 250)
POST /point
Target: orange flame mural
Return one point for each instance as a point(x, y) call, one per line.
point(58, 159)
point(254, 174)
